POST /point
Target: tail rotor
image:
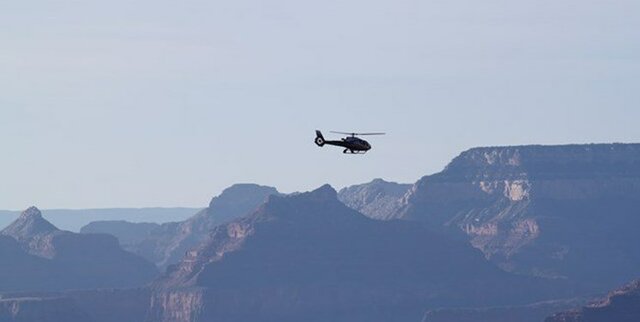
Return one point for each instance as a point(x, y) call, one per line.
point(319, 138)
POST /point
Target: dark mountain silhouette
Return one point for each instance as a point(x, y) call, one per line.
point(621, 305)
point(565, 212)
point(377, 199)
point(128, 233)
point(38, 256)
point(308, 257)
point(167, 244)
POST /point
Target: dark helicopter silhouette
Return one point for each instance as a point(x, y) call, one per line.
point(352, 144)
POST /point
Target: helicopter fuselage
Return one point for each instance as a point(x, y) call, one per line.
point(351, 143)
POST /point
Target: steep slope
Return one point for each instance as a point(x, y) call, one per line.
point(38, 256)
point(377, 199)
point(310, 258)
point(555, 211)
point(621, 305)
point(168, 243)
point(30, 224)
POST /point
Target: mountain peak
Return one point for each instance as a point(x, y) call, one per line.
point(326, 191)
point(29, 224)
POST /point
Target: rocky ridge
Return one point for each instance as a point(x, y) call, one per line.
point(377, 199)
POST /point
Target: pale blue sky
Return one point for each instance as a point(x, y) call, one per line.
point(165, 103)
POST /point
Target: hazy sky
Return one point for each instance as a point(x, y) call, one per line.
point(165, 103)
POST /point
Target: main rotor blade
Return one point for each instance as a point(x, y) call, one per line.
point(347, 133)
point(353, 133)
point(377, 133)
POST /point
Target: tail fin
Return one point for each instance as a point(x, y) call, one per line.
point(319, 138)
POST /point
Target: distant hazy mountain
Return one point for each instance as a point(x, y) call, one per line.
point(128, 233)
point(621, 305)
point(35, 255)
point(377, 199)
point(308, 257)
point(168, 243)
point(74, 219)
point(568, 212)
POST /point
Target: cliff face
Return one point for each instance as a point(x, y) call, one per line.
point(38, 256)
point(621, 305)
point(167, 244)
point(377, 199)
point(554, 211)
point(310, 258)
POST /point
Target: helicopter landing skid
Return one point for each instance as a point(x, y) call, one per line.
point(347, 151)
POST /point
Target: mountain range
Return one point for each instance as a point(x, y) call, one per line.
point(309, 257)
point(501, 234)
point(74, 219)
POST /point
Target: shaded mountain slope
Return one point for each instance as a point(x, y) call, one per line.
point(38, 256)
point(309, 257)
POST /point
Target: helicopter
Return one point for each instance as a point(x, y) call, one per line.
point(352, 144)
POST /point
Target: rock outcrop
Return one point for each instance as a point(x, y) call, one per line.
point(565, 212)
point(308, 257)
point(377, 199)
point(621, 305)
point(167, 244)
point(38, 256)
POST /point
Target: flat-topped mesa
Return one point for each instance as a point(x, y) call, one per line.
point(539, 161)
point(519, 204)
point(28, 225)
point(513, 174)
